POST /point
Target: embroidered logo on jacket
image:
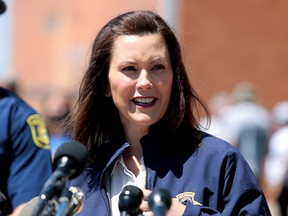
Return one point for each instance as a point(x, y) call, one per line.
point(39, 131)
point(187, 197)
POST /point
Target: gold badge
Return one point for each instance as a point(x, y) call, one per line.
point(187, 196)
point(39, 131)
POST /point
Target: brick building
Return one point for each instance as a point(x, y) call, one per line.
point(224, 42)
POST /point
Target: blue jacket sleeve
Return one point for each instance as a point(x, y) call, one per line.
point(241, 193)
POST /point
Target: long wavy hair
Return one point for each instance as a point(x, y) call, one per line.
point(95, 117)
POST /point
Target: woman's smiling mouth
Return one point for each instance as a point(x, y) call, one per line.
point(144, 101)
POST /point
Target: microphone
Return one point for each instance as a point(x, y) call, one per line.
point(69, 161)
point(2, 7)
point(3, 202)
point(130, 199)
point(63, 202)
point(76, 203)
point(159, 201)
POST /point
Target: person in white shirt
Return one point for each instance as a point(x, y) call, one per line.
point(276, 162)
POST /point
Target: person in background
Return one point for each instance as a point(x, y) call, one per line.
point(249, 124)
point(55, 107)
point(217, 105)
point(137, 115)
point(25, 158)
point(276, 162)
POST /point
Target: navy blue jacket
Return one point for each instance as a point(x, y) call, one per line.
point(208, 175)
point(25, 158)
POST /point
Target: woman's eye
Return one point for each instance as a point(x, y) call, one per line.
point(129, 68)
point(158, 67)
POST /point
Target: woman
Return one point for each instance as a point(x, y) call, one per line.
point(136, 115)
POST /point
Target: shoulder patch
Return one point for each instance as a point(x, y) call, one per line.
point(187, 197)
point(39, 131)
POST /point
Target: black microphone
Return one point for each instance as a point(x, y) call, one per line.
point(2, 7)
point(75, 206)
point(130, 199)
point(63, 203)
point(159, 201)
point(3, 202)
point(69, 161)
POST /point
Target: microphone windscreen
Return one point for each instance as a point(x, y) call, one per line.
point(130, 199)
point(2, 7)
point(75, 151)
point(29, 207)
point(159, 197)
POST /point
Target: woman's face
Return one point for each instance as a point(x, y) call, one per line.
point(140, 78)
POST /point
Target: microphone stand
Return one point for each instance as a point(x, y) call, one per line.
point(64, 202)
point(49, 209)
point(53, 187)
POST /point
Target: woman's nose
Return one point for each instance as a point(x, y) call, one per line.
point(144, 80)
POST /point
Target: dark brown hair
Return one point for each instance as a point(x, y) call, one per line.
point(96, 117)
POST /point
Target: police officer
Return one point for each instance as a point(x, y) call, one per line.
point(25, 158)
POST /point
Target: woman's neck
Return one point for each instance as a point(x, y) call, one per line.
point(133, 155)
point(132, 159)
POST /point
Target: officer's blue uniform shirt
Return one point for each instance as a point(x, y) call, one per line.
point(25, 158)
